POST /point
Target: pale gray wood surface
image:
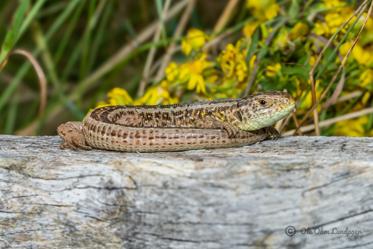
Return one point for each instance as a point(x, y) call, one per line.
point(227, 198)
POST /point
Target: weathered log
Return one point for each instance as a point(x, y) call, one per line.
point(248, 197)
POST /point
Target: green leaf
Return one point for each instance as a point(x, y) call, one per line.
point(14, 32)
point(6, 94)
point(253, 45)
point(298, 70)
point(294, 10)
point(31, 15)
point(21, 20)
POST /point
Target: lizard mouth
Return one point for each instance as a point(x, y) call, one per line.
point(273, 118)
point(284, 112)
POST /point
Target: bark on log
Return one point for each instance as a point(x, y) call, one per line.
point(227, 198)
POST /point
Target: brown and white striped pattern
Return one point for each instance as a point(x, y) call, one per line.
point(178, 127)
point(120, 138)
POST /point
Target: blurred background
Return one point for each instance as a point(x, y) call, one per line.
point(60, 59)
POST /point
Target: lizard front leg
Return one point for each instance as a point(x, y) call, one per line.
point(72, 134)
point(272, 132)
point(231, 129)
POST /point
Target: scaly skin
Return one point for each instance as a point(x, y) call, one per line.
point(215, 124)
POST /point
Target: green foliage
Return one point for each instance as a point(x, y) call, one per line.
point(94, 53)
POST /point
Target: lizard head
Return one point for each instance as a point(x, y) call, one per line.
point(264, 109)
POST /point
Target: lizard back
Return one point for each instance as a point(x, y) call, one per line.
point(238, 112)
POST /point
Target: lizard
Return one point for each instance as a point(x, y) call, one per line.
point(200, 125)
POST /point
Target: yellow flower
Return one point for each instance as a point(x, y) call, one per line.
point(241, 71)
point(361, 55)
point(273, 70)
point(192, 73)
point(172, 72)
point(321, 28)
point(369, 26)
point(333, 21)
point(351, 127)
point(312, 60)
point(282, 39)
point(197, 82)
point(333, 3)
point(299, 30)
point(365, 98)
point(263, 9)
point(249, 28)
point(119, 96)
point(272, 11)
point(366, 78)
point(343, 49)
point(157, 95)
point(307, 96)
point(194, 41)
point(232, 62)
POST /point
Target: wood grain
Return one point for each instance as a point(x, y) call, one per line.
point(225, 198)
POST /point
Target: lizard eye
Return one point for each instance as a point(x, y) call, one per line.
point(263, 102)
